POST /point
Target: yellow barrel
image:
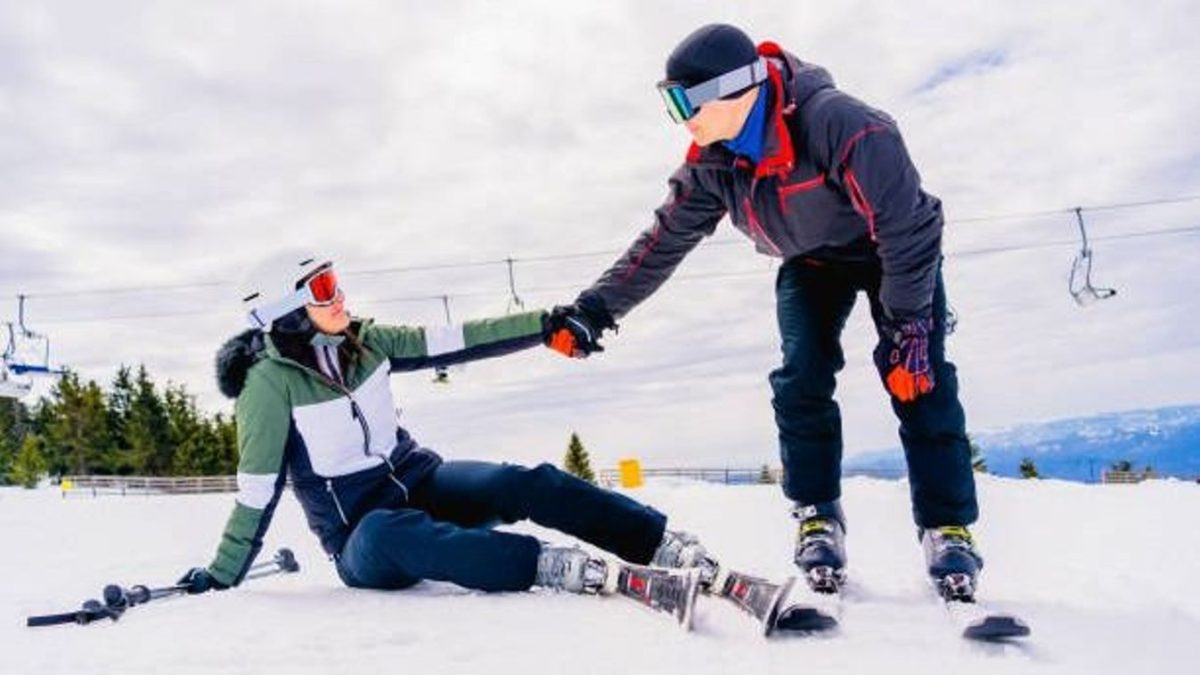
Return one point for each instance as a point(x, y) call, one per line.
point(631, 473)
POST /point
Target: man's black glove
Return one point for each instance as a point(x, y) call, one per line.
point(575, 330)
point(200, 580)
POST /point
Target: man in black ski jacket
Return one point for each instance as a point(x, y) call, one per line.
point(823, 181)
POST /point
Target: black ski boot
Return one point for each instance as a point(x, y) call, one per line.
point(821, 546)
point(952, 561)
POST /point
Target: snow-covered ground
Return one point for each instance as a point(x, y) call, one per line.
point(1104, 574)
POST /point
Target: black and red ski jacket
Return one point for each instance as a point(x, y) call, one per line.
point(835, 183)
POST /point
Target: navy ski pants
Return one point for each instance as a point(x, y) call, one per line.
point(447, 535)
point(814, 299)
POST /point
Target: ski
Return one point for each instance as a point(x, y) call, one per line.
point(760, 598)
point(817, 605)
point(803, 617)
point(974, 619)
point(670, 591)
point(768, 602)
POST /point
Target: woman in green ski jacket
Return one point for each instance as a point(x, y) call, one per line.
point(314, 405)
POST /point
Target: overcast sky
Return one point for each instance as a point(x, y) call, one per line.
point(169, 144)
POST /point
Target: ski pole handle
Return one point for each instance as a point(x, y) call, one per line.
point(92, 610)
point(284, 562)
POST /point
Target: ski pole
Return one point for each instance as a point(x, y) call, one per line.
point(89, 612)
point(117, 599)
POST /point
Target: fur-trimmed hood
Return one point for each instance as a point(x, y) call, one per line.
point(235, 358)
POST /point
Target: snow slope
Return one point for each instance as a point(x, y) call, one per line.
point(1104, 574)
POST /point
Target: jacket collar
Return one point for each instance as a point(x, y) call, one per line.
point(272, 352)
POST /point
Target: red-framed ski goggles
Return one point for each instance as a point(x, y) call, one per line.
point(684, 102)
point(322, 286)
point(319, 289)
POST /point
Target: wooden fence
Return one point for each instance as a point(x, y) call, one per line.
point(730, 475)
point(93, 486)
point(1128, 477)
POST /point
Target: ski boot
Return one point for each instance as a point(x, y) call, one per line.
point(952, 561)
point(683, 549)
point(571, 569)
point(820, 545)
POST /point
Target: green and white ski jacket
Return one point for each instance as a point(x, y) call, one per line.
point(340, 444)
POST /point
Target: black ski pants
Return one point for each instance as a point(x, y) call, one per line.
point(446, 532)
point(814, 299)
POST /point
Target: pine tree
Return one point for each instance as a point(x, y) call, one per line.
point(577, 462)
point(147, 428)
point(122, 460)
point(227, 443)
point(185, 434)
point(1029, 469)
point(30, 464)
point(14, 424)
point(76, 432)
point(764, 475)
point(978, 460)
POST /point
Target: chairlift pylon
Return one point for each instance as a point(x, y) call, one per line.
point(1080, 282)
point(514, 300)
point(441, 374)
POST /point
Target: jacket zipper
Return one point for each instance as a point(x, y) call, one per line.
point(336, 503)
point(357, 414)
point(756, 228)
point(859, 200)
point(355, 411)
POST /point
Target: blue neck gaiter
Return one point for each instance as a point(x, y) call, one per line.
point(749, 141)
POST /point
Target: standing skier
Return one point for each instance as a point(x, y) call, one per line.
point(314, 405)
point(823, 181)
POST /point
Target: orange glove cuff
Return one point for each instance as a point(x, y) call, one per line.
point(563, 342)
point(905, 386)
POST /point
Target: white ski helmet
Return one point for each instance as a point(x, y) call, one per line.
point(272, 289)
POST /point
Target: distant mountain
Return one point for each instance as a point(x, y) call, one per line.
point(1166, 439)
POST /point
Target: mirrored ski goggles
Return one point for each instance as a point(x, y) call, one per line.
point(319, 289)
point(684, 102)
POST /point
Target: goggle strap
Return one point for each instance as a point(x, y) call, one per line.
point(727, 83)
point(262, 317)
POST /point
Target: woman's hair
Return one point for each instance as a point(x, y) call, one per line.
point(297, 346)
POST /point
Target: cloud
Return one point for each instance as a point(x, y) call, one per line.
point(148, 144)
point(972, 65)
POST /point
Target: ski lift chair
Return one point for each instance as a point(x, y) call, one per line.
point(1080, 282)
point(28, 352)
point(10, 387)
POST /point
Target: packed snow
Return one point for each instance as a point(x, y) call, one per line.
point(1103, 574)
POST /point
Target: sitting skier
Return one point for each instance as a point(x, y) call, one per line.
point(313, 404)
